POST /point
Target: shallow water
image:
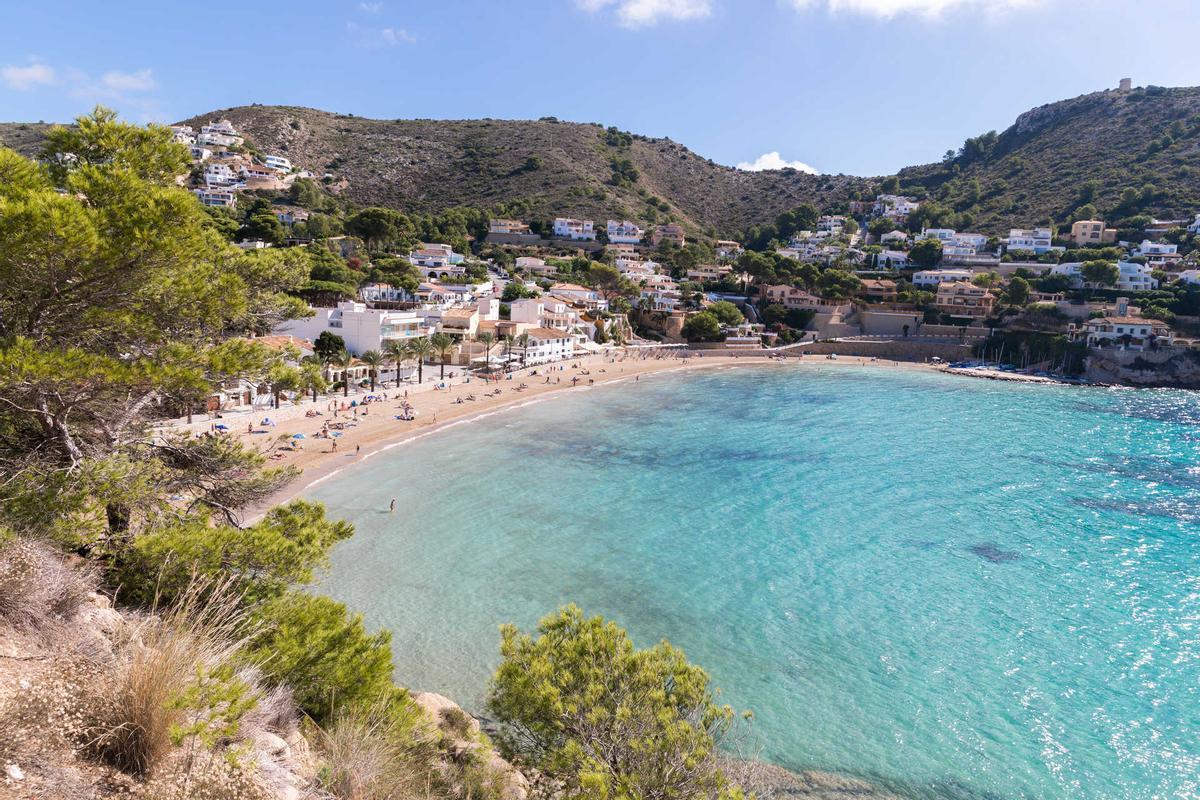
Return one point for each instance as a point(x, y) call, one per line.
point(957, 588)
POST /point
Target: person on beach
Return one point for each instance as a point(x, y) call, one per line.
point(357, 449)
point(392, 507)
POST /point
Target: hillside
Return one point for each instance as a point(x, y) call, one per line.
point(562, 168)
point(1089, 149)
point(1093, 148)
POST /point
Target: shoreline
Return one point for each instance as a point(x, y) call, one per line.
point(376, 431)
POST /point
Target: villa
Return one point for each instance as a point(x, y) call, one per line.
point(671, 232)
point(589, 297)
point(794, 298)
point(624, 232)
point(708, 272)
point(1037, 240)
point(1092, 232)
point(1132, 333)
point(546, 345)
point(726, 249)
point(220, 198)
point(962, 299)
point(1134, 277)
point(879, 289)
point(936, 277)
point(361, 328)
point(437, 260)
point(509, 227)
point(574, 229)
point(278, 163)
point(1158, 255)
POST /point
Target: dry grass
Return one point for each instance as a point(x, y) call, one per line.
point(38, 588)
point(136, 711)
point(371, 755)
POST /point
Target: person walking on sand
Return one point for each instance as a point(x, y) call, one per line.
point(357, 449)
point(392, 507)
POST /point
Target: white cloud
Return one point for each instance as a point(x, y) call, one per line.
point(370, 8)
point(25, 78)
point(773, 160)
point(369, 37)
point(394, 36)
point(641, 13)
point(929, 8)
point(119, 82)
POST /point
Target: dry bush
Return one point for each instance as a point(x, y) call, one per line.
point(371, 755)
point(136, 712)
point(38, 588)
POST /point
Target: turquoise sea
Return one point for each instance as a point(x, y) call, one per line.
point(956, 588)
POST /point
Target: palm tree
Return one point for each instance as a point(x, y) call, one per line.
point(311, 379)
point(508, 345)
point(342, 361)
point(374, 360)
point(443, 345)
point(420, 348)
point(523, 340)
point(486, 339)
point(396, 352)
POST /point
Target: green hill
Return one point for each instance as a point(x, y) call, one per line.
point(1125, 153)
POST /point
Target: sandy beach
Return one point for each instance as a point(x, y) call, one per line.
point(368, 428)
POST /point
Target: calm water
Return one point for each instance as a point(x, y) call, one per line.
point(957, 588)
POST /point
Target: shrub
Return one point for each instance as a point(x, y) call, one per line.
point(316, 646)
point(597, 718)
point(261, 560)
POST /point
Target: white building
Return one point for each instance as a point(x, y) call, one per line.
point(935, 277)
point(892, 259)
point(1190, 276)
point(278, 163)
point(218, 140)
point(545, 312)
point(893, 236)
point(576, 229)
point(623, 232)
point(1037, 240)
point(360, 327)
point(894, 206)
point(222, 126)
point(437, 261)
point(831, 224)
point(1133, 277)
point(215, 196)
point(200, 154)
point(384, 293)
point(546, 345)
point(1132, 333)
point(941, 234)
point(1159, 255)
point(589, 297)
point(219, 174)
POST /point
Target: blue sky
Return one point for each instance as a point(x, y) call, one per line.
point(855, 86)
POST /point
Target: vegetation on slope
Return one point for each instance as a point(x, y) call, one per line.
point(1111, 154)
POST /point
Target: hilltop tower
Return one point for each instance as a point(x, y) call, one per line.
point(1126, 84)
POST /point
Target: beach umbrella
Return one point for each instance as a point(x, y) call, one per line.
point(297, 435)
